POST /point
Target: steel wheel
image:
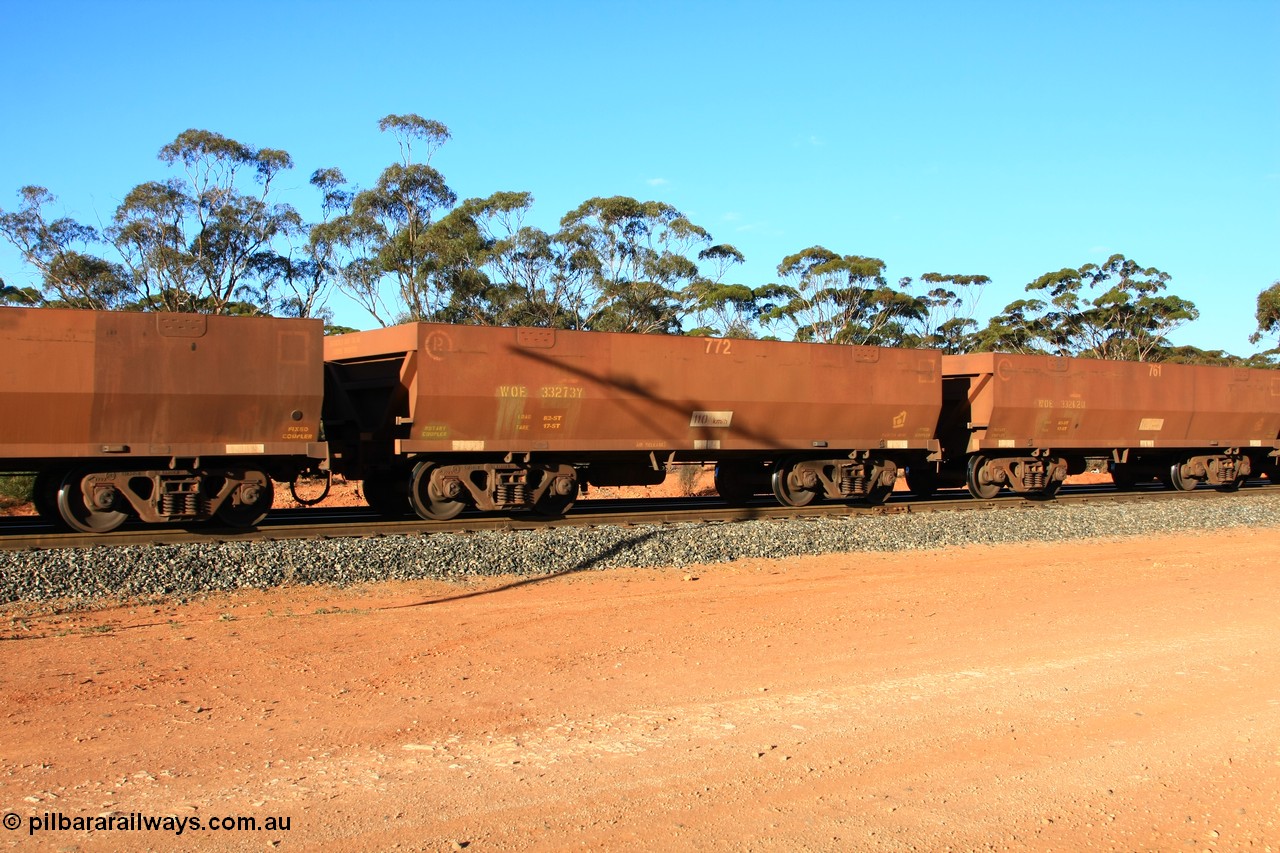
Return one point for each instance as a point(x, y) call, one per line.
point(1177, 481)
point(731, 485)
point(427, 501)
point(788, 492)
point(554, 505)
point(44, 496)
point(72, 508)
point(877, 495)
point(973, 477)
point(249, 502)
point(922, 480)
point(385, 496)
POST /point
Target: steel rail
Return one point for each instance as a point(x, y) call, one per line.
point(21, 533)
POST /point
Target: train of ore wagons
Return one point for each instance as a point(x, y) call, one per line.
point(180, 417)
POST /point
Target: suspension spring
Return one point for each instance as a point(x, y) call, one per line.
point(853, 483)
point(1035, 478)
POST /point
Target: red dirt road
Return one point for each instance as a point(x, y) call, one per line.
point(1123, 695)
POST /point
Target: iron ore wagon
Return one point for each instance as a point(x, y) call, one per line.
point(1027, 421)
point(437, 418)
point(169, 417)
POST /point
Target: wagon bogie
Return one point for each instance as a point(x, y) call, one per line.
point(92, 500)
point(441, 491)
point(797, 482)
point(1039, 475)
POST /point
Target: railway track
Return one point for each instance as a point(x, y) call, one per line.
point(19, 533)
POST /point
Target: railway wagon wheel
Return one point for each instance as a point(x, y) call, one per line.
point(427, 501)
point(99, 514)
point(249, 503)
point(979, 487)
point(44, 496)
point(385, 494)
point(789, 486)
point(922, 480)
point(1175, 480)
point(558, 498)
point(878, 494)
point(732, 484)
point(1231, 485)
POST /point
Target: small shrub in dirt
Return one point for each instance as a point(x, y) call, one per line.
point(15, 489)
point(690, 479)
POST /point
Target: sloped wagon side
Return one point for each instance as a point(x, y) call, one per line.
point(436, 418)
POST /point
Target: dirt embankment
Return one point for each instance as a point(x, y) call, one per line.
point(1111, 695)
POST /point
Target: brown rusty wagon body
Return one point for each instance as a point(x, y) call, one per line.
point(1026, 421)
point(169, 416)
point(506, 417)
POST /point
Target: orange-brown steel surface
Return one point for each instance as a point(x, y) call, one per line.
point(116, 384)
point(1019, 401)
point(478, 389)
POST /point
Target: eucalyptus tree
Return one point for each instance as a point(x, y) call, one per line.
point(387, 258)
point(1130, 318)
point(59, 250)
point(949, 306)
point(1019, 328)
point(21, 297)
point(529, 279)
point(205, 241)
point(634, 256)
point(843, 299)
point(722, 309)
point(1268, 315)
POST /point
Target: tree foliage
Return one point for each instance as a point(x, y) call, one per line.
point(214, 236)
point(59, 249)
point(1130, 318)
point(1268, 314)
point(382, 239)
point(206, 241)
point(634, 257)
point(841, 299)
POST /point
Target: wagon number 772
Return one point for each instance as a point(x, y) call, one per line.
point(716, 346)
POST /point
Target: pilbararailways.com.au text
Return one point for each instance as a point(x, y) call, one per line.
point(138, 822)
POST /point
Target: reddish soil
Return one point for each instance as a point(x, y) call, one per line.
point(1115, 695)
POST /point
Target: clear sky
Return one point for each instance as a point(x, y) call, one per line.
point(999, 138)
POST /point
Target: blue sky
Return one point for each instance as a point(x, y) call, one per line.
point(1007, 139)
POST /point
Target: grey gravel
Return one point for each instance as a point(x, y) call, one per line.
point(85, 575)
